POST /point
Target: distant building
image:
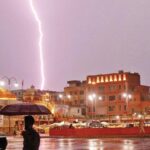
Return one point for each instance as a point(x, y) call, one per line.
point(102, 95)
point(19, 94)
point(116, 94)
point(75, 96)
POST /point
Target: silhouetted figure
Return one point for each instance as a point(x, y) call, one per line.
point(31, 137)
point(141, 125)
point(71, 126)
point(3, 143)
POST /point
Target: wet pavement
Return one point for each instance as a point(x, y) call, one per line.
point(15, 143)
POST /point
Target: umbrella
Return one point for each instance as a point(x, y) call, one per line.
point(24, 109)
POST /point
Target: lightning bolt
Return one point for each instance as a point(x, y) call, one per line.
point(40, 42)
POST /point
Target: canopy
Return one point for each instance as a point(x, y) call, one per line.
point(24, 109)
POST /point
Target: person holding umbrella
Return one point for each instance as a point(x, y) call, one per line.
point(30, 136)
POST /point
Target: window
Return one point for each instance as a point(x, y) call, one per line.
point(78, 111)
point(81, 101)
point(89, 109)
point(124, 87)
point(125, 107)
point(75, 93)
point(106, 79)
point(111, 108)
point(75, 102)
point(112, 87)
point(119, 87)
point(111, 98)
point(81, 92)
point(147, 109)
point(89, 80)
point(133, 110)
point(101, 88)
point(103, 98)
point(93, 109)
point(119, 97)
point(119, 107)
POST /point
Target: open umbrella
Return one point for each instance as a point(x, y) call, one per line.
point(24, 109)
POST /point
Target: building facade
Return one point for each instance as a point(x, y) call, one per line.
point(116, 94)
point(102, 95)
point(74, 97)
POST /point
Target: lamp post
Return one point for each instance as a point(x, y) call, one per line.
point(69, 98)
point(127, 98)
point(2, 83)
point(92, 98)
point(60, 96)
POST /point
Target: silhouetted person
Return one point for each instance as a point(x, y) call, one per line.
point(3, 143)
point(31, 137)
point(71, 126)
point(141, 125)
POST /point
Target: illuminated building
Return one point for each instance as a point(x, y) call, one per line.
point(75, 97)
point(6, 95)
point(121, 94)
point(104, 95)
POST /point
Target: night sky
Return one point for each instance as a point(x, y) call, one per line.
point(81, 37)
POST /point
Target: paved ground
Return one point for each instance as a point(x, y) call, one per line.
point(15, 143)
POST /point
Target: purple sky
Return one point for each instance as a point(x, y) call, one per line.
point(81, 37)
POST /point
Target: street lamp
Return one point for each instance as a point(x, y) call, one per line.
point(2, 82)
point(92, 98)
point(117, 117)
point(127, 97)
point(100, 98)
point(60, 96)
point(69, 96)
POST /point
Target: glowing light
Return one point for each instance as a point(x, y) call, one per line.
point(100, 98)
point(93, 82)
point(102, 79)
point(120, 77)
point(90, 97)
point(117, 117)
point(115, 77)
point(124, 77)
point(89, 81)
point(106, 79)
point(40, 42)
point(98, 80)
point(111, 79)
point(60, 96)
point(68, 96)
point(2, 83)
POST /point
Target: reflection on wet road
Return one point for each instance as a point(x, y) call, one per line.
point(15, 143)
